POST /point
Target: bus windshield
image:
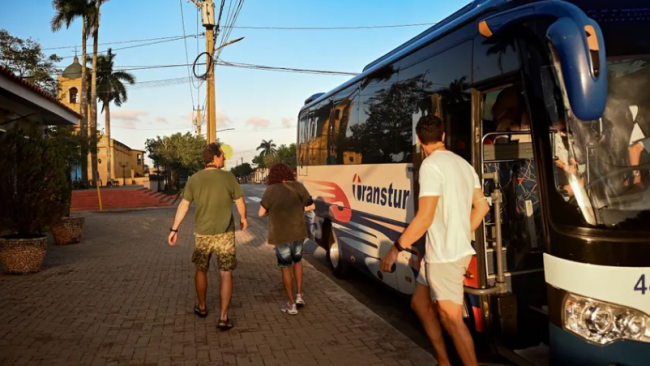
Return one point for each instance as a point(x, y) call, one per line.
point(602, 167)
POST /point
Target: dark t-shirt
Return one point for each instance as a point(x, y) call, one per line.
point(286, 210)
point(213, 192)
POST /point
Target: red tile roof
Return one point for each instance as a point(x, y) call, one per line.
point(18, 80)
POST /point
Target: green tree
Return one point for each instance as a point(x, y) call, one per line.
point(69, 145)
point(267, 147)
point(181, 154)
point(66, 12)
point(242, 170)
point(285, 154)
point(259, 161)
point(111, 89)
point(25, 58)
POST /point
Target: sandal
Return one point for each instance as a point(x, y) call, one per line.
point(225, 324)
point(201, 313)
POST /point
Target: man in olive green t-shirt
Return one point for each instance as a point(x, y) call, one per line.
point(213, 191)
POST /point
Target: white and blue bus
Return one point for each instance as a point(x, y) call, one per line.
point(554, 123)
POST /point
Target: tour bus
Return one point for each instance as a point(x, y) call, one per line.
point(554, 125)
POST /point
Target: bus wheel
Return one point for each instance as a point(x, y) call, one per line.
point(338, 264)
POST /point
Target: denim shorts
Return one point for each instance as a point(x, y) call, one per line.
point(289, 254)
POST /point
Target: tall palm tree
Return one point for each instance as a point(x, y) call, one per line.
point(110, 88)
point(93, 98)
point(66, 12)
point(268, 148)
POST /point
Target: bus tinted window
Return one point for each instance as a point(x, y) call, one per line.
point(438, 84)
point(344, 113)
point(375, 137)
point(494, 57)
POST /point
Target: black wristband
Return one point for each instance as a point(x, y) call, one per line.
point(176, 231)
point(398, 247)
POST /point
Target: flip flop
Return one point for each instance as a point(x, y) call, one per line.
point(225, 324)
point(201, 313)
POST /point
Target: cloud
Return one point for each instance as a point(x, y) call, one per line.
point(223, 119)
point(128, 115)
point(161, 119)
point(287, 122)
point(130, 125)
point(258, 122)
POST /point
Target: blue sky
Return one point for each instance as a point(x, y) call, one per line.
point(257, 104)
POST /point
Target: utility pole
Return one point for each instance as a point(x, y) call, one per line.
point(197, 121)
point(207, 17)
point(211, 34)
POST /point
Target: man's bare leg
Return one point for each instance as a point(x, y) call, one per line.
point(635, 158)
point(201, 280)
point(451, 315)
point(297, 272)
point(423, 307)
point(287, 281)
point(225, 293)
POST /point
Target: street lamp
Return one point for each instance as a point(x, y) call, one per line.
point(124, 165)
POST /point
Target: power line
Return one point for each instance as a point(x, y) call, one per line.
point(244, 65)
point(187, 57)
point(253, 28)
point(335, 28)
point(142, 45)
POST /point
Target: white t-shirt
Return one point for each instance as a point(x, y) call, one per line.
point(450, 177)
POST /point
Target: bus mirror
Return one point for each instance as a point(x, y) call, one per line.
point(579, 45)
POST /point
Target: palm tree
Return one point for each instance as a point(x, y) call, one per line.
point(267, 147)
point(66, 12)
point(93, 98)
point(110, 85)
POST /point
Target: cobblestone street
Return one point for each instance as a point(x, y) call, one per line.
point(124, 297)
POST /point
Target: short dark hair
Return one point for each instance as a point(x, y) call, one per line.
point(211, 150)
point(430, 129)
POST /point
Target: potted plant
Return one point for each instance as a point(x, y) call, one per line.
point(68, 229)
point(31, 185)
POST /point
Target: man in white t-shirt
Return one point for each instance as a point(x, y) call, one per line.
point(451, 206)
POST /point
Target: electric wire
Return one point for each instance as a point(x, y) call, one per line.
point(187, 57)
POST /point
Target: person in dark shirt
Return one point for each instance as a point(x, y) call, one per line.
point(285, 202)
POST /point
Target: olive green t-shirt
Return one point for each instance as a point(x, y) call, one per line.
point(213, 192)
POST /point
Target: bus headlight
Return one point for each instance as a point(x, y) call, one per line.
point(602, 323)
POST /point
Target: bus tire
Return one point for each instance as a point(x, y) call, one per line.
point(335, 257)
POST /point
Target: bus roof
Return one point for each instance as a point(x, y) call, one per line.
point(461, 16)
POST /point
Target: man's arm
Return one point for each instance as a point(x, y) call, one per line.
point(183, 207)
point(262, 212)
point(480, 208)
point(422, 221)
point(241, 208)
point(311, 207)
point(416, 229)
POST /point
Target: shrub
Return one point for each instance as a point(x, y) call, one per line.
point(33, 182)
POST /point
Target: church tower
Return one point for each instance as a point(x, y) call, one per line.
point(70, 83)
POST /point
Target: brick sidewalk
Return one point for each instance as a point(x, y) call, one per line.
point(124, 297)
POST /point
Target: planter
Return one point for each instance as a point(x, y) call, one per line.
point(68, 230)
point(20, 256)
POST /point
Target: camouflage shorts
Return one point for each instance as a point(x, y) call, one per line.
point(222, 245)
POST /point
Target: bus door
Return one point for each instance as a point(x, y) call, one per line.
point(508, 168)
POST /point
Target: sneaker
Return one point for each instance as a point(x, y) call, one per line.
point(289, 309)
point(299, 300)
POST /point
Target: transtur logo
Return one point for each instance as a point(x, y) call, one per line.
point(383, 196)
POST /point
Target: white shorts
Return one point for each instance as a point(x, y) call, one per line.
point(445, 280)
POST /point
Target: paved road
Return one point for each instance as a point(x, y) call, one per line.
point(393, 308)
point(124, 297)
point(388, 304)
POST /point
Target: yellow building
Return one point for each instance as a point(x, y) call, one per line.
point(124, 160)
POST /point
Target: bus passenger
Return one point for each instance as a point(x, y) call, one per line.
point(635, 157)
point(285, 202)
point(452, 206)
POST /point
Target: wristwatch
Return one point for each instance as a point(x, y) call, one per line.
point(397, 246)
point(173, 230)
point(636, 173)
